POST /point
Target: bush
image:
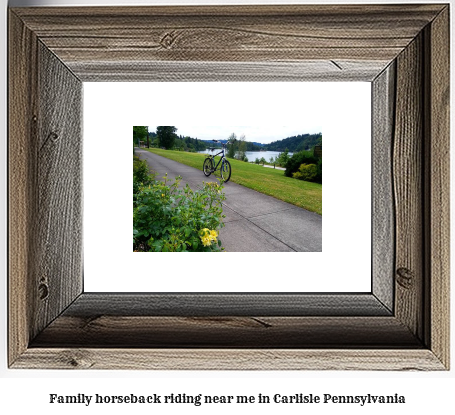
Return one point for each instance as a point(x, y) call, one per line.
point(294, 163)
point(169, 219)
point(141, 174)
point(141, 171)
point(307, 172)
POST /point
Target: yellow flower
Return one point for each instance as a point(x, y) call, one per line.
point(207, 236)
point(162, 194)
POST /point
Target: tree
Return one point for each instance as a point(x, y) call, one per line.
point(283, 158)
point(242, 148)
point(232, 146)
point(179, 144)
point(140, 133)
point(153, 139)
point(166, 136)
point(296, 143)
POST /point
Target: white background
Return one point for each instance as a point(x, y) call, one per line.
point(27, 391)
point(343, 109)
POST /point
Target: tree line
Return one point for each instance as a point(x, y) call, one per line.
point(295, 143)
point(292, 144)
point(166, 137)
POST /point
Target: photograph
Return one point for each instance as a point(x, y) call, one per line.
point(219, 191)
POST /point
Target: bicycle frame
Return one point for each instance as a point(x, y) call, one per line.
point(217, 154)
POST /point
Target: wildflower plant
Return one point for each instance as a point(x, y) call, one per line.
point(208, 236)
point(169, 218)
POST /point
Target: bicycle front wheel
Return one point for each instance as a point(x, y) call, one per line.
point(226, 171)
point(208, 166)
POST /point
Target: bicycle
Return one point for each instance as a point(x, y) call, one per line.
point(209, 163)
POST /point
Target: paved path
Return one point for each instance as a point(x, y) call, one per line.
point(254, 222)
point(271, 167)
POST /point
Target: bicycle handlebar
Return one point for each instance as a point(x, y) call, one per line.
point(225, 144)
point(229, 141)
point(216, 141)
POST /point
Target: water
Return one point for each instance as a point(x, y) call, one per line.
point(252, 155)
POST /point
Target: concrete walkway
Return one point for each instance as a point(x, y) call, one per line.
point(254, 222)
point(276, 167)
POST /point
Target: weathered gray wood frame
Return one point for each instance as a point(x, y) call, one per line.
point(403, 50)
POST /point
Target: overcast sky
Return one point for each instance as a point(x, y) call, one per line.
point(263, 134)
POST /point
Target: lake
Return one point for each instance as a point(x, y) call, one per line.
point(252, 155)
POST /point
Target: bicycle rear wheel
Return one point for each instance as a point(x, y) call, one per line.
point(208, 166)
point(226, 171)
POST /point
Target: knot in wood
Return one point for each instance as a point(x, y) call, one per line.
point(405, 278)
point(53, 136)
point(77, 359)
point(43, 291)
point(168, 39)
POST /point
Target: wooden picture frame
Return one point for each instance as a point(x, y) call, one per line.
point(403, 324)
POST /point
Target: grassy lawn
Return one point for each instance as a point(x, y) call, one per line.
point(269, 181)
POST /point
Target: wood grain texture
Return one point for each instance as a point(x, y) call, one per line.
point(276, 34)
point(53, 49)
point(22, 94)
point(383, 214)
point(308, 71)
point(45, 187)
point(89, 305)
point(256, 332)
point(438, 202)
point(408, 188)
point(229, 359)
point(58, 182)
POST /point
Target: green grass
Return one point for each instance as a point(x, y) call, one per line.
point(269, 181)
